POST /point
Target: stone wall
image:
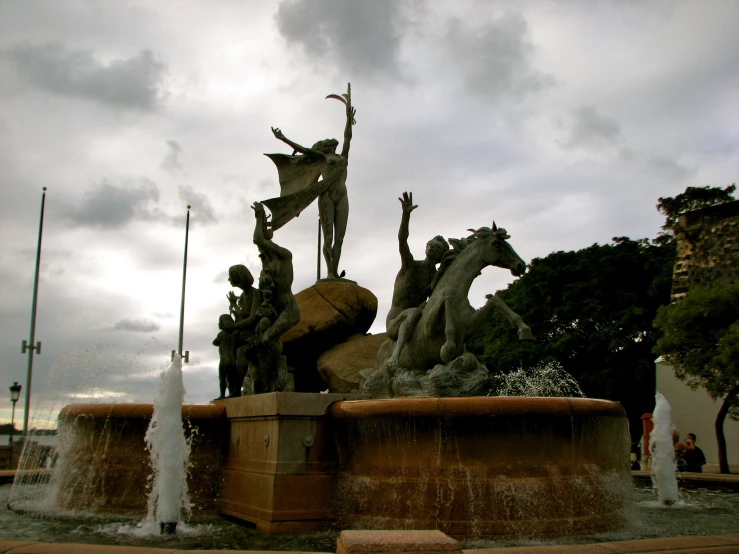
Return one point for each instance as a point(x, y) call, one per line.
point(707, 247)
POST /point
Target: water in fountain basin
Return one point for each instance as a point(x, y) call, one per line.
point(662, 453)
point(170, 452)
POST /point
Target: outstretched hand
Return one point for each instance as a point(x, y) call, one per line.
point(407, 202)
point(258, 209)
point(262, 221)
point(277, 133)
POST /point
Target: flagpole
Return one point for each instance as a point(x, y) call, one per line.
point(33, 345)
point(186, 356)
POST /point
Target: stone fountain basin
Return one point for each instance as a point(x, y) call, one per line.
point(483, 466)
point(105, 465)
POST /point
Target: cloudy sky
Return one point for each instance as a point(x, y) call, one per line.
point(562, 121)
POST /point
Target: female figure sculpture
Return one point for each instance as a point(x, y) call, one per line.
point(237, 327)
point(299, 185)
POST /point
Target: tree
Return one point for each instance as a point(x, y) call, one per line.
point(6, 428)
point(591, 312)
point(700, 341)
point(694, 198)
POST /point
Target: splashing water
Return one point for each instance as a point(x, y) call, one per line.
point(542, 380)
point(99, 374)
point(662, 453)
point(170, 453)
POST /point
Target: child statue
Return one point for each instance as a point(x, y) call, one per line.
point(226, 343)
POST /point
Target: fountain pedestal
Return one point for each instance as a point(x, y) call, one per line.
point(300, 462)
point(281, 462)
point(482, 466)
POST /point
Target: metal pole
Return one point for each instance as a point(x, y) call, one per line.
point(318, 271)
point(12, 422)
point(186, 358)
point(33, 346)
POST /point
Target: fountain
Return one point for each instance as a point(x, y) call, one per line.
point(170, 452)
point(662, 453)
point(102, 462)
point(468, 464)
point(428, 450)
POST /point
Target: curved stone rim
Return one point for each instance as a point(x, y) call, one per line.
point(475, 406)
point(144, 411)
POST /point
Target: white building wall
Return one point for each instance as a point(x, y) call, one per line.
point(693, 411)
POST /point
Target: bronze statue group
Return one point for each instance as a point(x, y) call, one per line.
point(249, 338)
point(430, 317)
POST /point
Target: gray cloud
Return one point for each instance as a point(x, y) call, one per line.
point(590, 129)
point(135, 325)
point(164, 315)
point(221, 277)
point(171, 161)
point(130, 83)
point(109, 206)
point(495, 58)
point(266, 184)
point(446, 141)
point(669, 168)
point(202, 210)
point(360, 37)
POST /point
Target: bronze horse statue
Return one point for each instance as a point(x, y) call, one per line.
point(447, 318)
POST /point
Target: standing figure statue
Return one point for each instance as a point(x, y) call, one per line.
point(235, 328)
point(300, 185)
point(413, 283)
point(227, 370)
point(274, 313)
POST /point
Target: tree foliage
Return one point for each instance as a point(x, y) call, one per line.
point(591, 312)
point(694, 198)
point(6, 428)
point(700, 339)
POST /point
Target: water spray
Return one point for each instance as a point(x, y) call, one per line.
point(662, 452)
point(170, 452)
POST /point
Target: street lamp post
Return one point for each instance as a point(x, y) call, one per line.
point(15, 393)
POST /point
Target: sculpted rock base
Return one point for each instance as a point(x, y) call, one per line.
point(330, 313)
point(463, 376)
point(339, 367)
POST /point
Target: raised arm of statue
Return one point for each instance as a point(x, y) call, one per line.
point(346, 99)
point(295, 146)
point(263, 235)
point(406, 257)
point(350, 113)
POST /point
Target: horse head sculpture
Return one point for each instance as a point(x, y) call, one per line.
point(496, 251)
